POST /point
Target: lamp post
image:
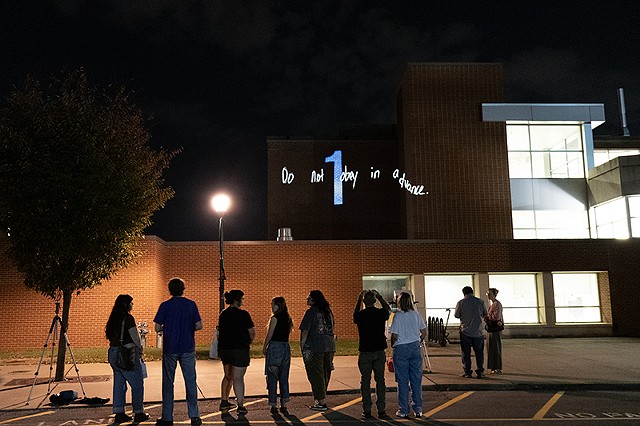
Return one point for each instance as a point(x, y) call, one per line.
point(220, 204)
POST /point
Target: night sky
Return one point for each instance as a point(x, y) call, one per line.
point(216, 78)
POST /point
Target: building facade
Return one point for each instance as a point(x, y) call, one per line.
point(463, 190)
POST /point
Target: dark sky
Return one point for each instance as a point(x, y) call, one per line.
point(217, 77)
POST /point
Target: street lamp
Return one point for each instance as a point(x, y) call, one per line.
point(220, 204)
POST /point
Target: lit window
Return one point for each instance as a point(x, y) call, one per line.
point(576, 297)
point(611, 219)
point(443, 292)
point(519, 297)
point(386, 285)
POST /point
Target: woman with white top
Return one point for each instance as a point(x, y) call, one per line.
point(407, 332)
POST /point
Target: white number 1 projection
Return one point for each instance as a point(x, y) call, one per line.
point(336, 159)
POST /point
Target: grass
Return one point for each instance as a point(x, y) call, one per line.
point(99, 355)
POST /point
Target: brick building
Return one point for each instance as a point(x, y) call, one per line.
point(462, 190)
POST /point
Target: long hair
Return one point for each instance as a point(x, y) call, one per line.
point(282, 311)
point(405, 303)
point(321, 303)
point(118, 313)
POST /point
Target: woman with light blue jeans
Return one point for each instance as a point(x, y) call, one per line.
point(278, 355)
point(121, 330)
point(408, 330)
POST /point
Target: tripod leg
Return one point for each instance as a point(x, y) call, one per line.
point(425, 354)
point(44, 349)
point(66, 339)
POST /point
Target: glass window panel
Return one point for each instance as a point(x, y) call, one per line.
point(385, 284)
point(575, 164)
point(611, 211)
point(524, 234)
point(586, 314)
point(600, 157)
point(517, 291)
point(523, 219)
point(558, 165)
point(556, 138)
point(541, 164)
point(562, 219)
point(517, 138)
point(519, 165)
point(635, 227)
point(519, 315)
point(620, 229)
point(634, 206)
point(443, 292)
point(605, 231)
point(576, 290)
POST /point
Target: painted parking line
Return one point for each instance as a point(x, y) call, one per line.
point(217, 413)
point(44, 413)
point(448, 404)
point(546, 407)
point(338, 408)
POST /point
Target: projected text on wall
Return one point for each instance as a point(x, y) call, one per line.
point(342, 175)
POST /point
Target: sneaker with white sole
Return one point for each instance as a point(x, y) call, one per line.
point(319, 407)
point(401, 414)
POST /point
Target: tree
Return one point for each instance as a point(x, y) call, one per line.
point(78, 185)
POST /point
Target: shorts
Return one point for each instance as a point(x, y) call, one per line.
point(235, 357)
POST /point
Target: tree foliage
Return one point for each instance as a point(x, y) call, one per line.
point(78, 182)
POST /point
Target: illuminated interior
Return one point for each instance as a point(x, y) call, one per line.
point(539, 156)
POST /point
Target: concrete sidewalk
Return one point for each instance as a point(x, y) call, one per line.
point(564, 363)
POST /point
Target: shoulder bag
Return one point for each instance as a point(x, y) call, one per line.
point(126, 356)
point(493, 325)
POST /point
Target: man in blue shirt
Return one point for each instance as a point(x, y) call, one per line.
point(178, 319)
point(472, 311)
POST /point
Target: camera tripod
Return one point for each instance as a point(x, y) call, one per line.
point(56, 324)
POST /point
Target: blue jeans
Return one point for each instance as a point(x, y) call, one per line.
point(121, 378)
point(407, 362)
point(372, 362)
point(187, 362)
point(477, 343)
point(277, 366)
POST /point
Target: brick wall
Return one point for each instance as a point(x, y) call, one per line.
point(267, 268)
point(461, 160)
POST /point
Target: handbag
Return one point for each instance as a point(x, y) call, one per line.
point(390, 366)
point(493, 325)
point(126, 359)
point(213, 350)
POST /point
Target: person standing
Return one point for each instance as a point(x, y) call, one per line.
point(471, 311)
point(408, 330)
point(371, 348)
point(178, 319)
point(494, 342)
point(277, 354)
point(121, 330)
point(234, 341)
point(318, 345)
